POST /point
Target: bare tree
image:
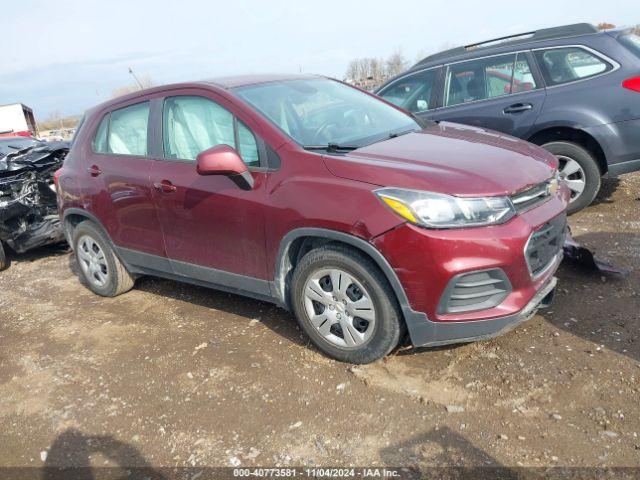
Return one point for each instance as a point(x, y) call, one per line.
point(396, 63)
point(144, 80)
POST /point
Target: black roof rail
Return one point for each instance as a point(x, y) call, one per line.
point(536, 35)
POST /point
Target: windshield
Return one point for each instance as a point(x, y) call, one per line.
point(632, 42)
point(8, 145)
point(322, 112)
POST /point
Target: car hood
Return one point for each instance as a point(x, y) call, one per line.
point(448, 158)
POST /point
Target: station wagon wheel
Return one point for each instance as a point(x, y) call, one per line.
point(339, 307)
point(345, 304)
point(578, 168)
point(573, 175)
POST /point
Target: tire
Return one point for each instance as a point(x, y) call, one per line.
point(109, 277)
point(588, 175)
point(4, 263)
point(365, 292)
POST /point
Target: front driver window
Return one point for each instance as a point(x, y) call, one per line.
point(194, 124)
point(412, 93)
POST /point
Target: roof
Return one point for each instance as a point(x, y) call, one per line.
point(244, 80)
point(225, 83)
point(503, 43)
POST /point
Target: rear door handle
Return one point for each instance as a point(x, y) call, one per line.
point(94, 170)
point(165, 186)
point(518, 107)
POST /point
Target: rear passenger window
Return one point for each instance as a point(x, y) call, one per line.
point(479, 79)
point(128, 130)
point(564, 65)
point(194, 124)
point(413, 92)
point(99, 143)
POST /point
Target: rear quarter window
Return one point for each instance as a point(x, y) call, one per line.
point(565, 65)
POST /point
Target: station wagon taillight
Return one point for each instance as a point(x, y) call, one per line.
point(632, 84)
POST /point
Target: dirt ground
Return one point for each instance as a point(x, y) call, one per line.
point(175, 375)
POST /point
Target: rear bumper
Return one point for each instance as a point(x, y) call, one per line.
point(428, 333)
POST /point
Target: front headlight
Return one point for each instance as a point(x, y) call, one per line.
point(436, 210)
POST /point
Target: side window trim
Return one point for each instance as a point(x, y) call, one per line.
point(614, 65)
point(159, 140)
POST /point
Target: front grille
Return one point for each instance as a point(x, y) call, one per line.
point(532, 197)
point(478, 290)
point(545, 244)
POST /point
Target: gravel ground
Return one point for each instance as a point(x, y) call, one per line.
point(174, 375)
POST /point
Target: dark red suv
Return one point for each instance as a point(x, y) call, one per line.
point(321, 198)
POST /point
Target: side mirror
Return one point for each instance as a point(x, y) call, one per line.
point(224, 160)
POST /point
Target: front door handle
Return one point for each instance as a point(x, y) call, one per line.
point(94, 170)
point(165, 186)
point(518, 107)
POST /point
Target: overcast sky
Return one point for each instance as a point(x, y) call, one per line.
point(67, 55)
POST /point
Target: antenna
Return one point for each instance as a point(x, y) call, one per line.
point(136, 78)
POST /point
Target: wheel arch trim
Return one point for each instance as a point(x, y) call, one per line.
point(284, 267)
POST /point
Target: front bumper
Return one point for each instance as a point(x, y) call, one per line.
point(426, 333)
point(425, 261)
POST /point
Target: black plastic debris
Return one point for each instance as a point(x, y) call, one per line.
point(580, 255)
point(28, 211)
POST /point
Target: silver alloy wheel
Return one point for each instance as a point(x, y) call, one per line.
point(573, 175)
point(339, 307)
point(92, 261)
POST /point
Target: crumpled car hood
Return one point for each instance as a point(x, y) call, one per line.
point(448, 158)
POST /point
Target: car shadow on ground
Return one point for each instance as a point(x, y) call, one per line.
point(608, 187)
point(584, 305)
point(441, 453)
point(602, 309)
point(35, 254)
point(276, 319)
point(70, 458)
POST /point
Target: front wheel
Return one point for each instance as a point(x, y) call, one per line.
point(345, 305)
point(579, 169)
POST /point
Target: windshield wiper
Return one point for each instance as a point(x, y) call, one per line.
point(399, 134)
point(332, 147)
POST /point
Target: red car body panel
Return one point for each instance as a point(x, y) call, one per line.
point(449, 158)
point(211, 223)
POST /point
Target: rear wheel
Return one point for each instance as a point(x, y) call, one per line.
point(345, 305)
point(100, 269)
point(579, 169)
